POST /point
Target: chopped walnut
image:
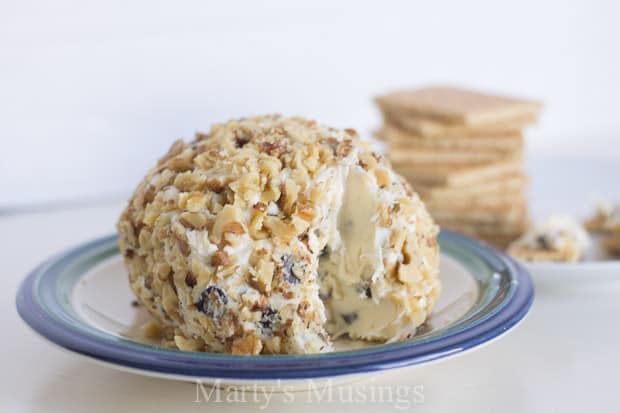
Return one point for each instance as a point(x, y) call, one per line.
point(230, 238)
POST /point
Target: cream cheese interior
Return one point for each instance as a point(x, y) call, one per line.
point(351, 266)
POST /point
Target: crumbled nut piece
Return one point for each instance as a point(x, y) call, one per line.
point(248, 345)
point(306, 212)
point(368, 161)
point(151, 213)
point(351, 132)
point(385, 216)
point(271, 193)
point(186, 344)
point(288, 198)
point(409, 274)
point(229, 219)
point(178, 232)
point(189, 181)
point(299, 225)
point(303, 308)
point(170, 301)
point(264, 275)
point(276, 148)
point(273, 345)
point(345, 148)
point(196, 202)
point(162, 270)
point(178, 164)
point(383, 177)
point(256, 227)
point(216, 183)
point(151, 329)
point(223, 239)
point(220, 259)
point(260, 206)
point(194, 220)
point(279, 228)
point(270, 167)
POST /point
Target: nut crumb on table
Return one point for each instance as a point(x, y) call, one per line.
point(559, 238)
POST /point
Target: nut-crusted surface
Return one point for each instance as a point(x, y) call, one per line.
point(225, 236)
point(606, 218)
point(559, 238)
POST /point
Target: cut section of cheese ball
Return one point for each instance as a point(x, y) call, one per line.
point(277, 235)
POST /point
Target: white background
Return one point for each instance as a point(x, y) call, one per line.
point(92, 94)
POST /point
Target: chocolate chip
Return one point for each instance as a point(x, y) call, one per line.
point(423, 329)
point(327, 295)
point(269, 321)
point(544, 242)
point(242, 137)
point(364, 289)
point(324, 251)
point(349, 318)
point(135, 303)
point(213, 302)
point(348, 224)
point(241, 142)
point(190, 280)
point(287, 269)
point(171, 282)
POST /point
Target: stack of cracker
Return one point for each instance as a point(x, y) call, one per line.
point(463, 152)
point(606, 222)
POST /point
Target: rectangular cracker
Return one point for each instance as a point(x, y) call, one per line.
point(460, 157)
point(433, 129)
point(464, 208)
point(487, 202)
point(488, 230)
point(503, 142)
point(455, 175)
point(515, 214)
point(500, 241)
point(477, 217)
point(459, 106)
point(503, 184)
point(611, 243)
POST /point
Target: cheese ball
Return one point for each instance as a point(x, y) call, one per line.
point(272, 235)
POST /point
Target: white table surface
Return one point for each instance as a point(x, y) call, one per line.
point(563, 358)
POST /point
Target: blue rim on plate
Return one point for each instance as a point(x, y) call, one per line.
point(44, 302)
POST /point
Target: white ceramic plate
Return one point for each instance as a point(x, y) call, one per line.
point(597, 269)
point(80, 300)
